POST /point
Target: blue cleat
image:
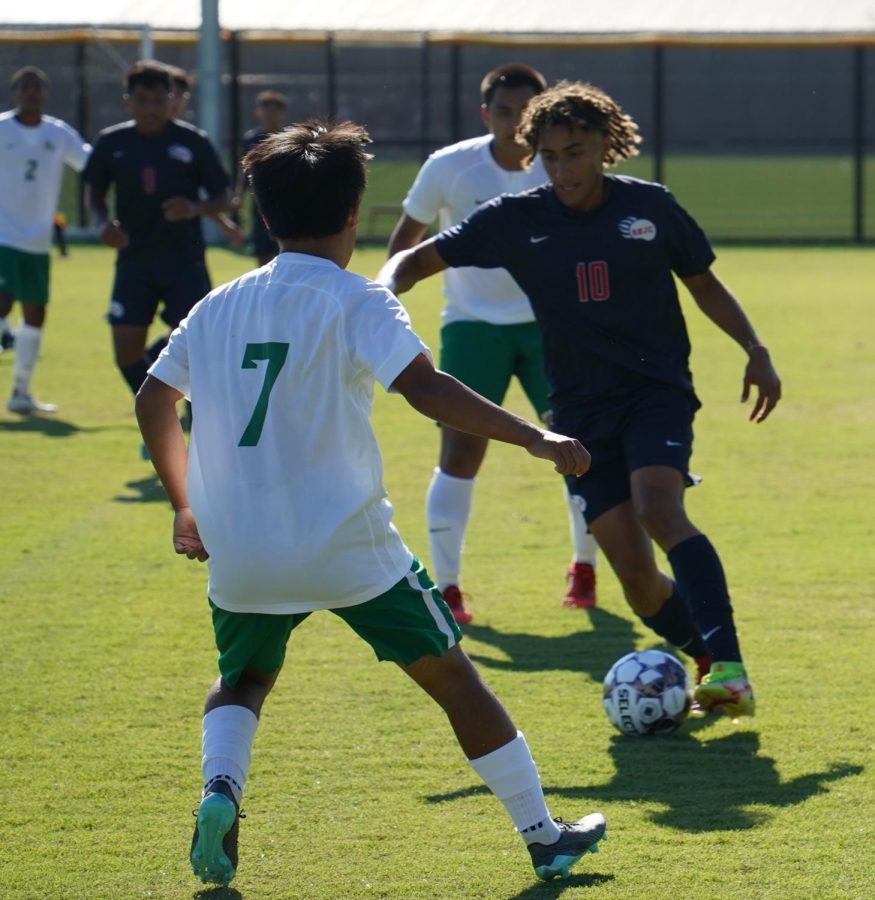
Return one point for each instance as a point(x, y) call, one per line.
point(576, 838)
point(214, 843)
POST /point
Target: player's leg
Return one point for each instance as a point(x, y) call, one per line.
point(7, 298)
point(658, 446)
point(8, 287)
point(629, 550)
point(480, 356)
point(251, 653)
point(529, 369)
point(411, 626)
point(32, 289)
point(184, 285)
point(132, 308)
point(581, 590)
point(658, 493)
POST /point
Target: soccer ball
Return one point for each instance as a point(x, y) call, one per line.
point(647, 692)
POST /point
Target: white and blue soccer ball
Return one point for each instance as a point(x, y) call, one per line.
point(647, 692)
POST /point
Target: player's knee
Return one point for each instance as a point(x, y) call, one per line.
point(660, 515)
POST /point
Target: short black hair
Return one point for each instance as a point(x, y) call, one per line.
point(511, 75)
point(265, 98)
point(180, 79)
point(309, 177)
point(28, 72)
point(148, 73)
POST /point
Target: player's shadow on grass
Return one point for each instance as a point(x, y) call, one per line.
point(217, 893)
point(548, 890)
point(591, 652)
point(146, 490)
point(718, 785)
point(50, 427)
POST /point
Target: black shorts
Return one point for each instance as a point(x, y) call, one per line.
point(651, 426)
point(141, 284)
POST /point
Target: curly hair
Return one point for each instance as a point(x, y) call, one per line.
point(575, 103)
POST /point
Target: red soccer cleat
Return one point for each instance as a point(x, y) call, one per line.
point(455, 599)
point(581, 587)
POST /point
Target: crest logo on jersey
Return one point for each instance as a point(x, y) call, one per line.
point(180, 152)
point(637, 229)
point(48, 145)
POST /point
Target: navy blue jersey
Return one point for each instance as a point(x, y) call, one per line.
point(146, 171)
point(253, 138)
point(600, 282)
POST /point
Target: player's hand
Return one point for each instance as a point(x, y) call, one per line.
point(761, 373)
point(113, 235)
point(568, 455)
point(186, 540)
point(178, 209)
point(232, 233)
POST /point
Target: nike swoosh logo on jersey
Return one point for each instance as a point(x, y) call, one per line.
point(537, 240)
point(674, 443)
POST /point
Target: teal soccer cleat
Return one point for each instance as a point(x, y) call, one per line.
point(576, 838)
point(214, 843)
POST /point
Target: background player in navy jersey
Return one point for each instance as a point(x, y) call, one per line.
point(159, 169)
point(181, 82)
point(595, 255)
point(270, 112)
point(488, 333)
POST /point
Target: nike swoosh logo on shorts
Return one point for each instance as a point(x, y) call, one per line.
point(674, 443)
point(537, 240)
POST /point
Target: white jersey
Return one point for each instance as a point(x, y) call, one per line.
point(32, 160)
point(451, 184)
point(285, 477)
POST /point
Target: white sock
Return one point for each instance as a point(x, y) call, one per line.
point(585, 546)
point(447, 510)
point(227, 746)
point(4, 325)
point(510, 773)
point(27, 343)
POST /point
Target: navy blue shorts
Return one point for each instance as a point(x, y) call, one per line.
point(141, 284)
point(652, 426)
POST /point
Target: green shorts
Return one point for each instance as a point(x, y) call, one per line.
point(408, 621)
point(485, 357)
point(24, 275)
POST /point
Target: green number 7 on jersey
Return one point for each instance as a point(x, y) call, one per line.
point(275, 354)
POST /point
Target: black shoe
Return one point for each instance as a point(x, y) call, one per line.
point(7, 340)
point(575, 839)
point(214, 842)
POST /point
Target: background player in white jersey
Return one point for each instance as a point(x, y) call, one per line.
point(282, 486)
point(488, 332)
point(34, 148)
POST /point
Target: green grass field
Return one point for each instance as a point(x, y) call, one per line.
point(357, 788)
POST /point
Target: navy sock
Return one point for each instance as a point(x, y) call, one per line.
point(135, 374)
point(673, 623)
point(701, 582)
point(153, 351)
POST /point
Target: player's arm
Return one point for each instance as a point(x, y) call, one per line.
point(109, 231)
point(177, 209)
point(724, 310)
point(439, 396)
point(407, 233)
point(162, 433)
point(404, 269)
